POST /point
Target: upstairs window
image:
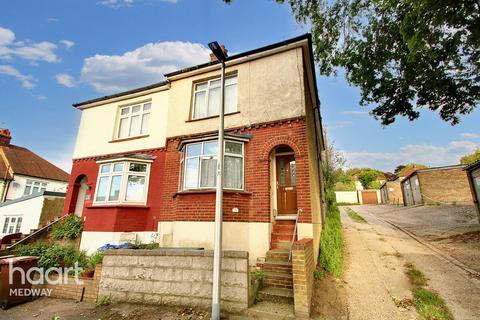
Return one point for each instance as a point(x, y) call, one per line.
point(199, 165)
point(206, 97)
point(122, 182)
point(133, 120)
point(33, 186)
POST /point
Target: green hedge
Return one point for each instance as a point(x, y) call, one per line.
point(331, 243)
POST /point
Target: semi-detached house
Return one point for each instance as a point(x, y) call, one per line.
point(144, 160)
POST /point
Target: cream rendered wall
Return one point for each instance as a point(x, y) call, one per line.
point(91, 241)
point(269, 89)
point(347, 196)
point(253, 237)
point(30, 211)
point(98, 125)
point(17, 186)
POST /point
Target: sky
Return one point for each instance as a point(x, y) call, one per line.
point(55, 53)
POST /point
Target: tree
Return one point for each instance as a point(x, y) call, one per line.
point(367, 178)
point(401, 169)
point(332, 171)
point(471, 158)
point(404, 55)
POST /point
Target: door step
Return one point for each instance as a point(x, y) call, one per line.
point(278, 279)
point(271, 310)
point(274, 294)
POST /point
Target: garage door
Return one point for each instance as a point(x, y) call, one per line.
point(369, 197)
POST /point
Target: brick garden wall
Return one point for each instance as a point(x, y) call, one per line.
point(174, 277)
point(254, 203)
point(302, 266)
point(87, 291)
point(446, 185)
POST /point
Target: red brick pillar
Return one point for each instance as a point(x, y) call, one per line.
point(302, 267)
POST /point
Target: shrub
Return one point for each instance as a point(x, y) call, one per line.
point(53, 255)
point(318, 274)
point(69, 228)
point(331, 243)
point(95, 259)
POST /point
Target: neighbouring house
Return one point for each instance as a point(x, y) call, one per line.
point(144, 163)
point(444, 185)
point(26, 180)
point(28, 213)
point(473, 173)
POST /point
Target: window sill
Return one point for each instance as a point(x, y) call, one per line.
point(212, 117)
point(130, 138)
point(123, 205)
point(210, 191)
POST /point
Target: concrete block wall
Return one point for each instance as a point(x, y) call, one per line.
point(303, 266)
point(174, 277)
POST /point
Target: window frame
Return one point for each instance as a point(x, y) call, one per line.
point(125, 173)
point(16, 225)
point(183, 161)
point(141, 113)
point(31, 183)
point(207, 94)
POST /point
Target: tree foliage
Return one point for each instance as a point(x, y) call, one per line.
point(471, 158)
point(404, 55)
point(368, 178)
point(332, 172)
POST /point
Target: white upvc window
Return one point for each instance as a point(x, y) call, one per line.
point(133, 120)
point(12, 224)
point(206, 97)
point(122, 182)
point(199, 165)
point(33, 186)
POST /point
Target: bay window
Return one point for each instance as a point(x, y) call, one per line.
point(122, 182)
point(199, 165)
point(133, 120)
point(206, 97)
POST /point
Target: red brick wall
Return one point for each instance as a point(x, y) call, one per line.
point(117, 218)
point(254, 203)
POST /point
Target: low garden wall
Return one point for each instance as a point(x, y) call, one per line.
point(86, 291)
point(174, 277)
point(302, 268)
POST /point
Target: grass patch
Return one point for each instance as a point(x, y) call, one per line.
point(355, 216)
point(416, 277)
point(331, 243)
point(319, 274)
point(103, 301)
point(430, 306)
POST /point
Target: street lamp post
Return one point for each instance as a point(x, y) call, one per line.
point(217, 251)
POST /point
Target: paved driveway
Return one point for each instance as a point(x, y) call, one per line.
point(378, 250)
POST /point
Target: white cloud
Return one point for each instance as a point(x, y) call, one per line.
point(65, 80)
point(470, 135)
point(53, 19)
point(67, 43)
point(33, 51)
point(142, 66)
point(28, 82)
point(353, 113)
point(123, 3)
point(418, 153)
point(41, 98)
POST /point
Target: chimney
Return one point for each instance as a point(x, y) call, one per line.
point(212, 56)
point(5, 137)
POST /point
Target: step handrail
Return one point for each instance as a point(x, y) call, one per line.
point(299, 211)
